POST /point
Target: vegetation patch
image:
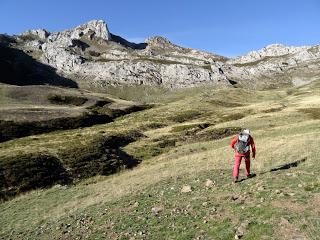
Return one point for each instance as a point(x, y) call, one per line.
point(271, 110)
point(225, 104)
point(102, 108)
point(67, 100)
point(215, 134)
point(314, 113)
point(207, 67)
point(25, 172)
point(254, 63)
point(101, 156)
point(182, 128)
point(158, 61)
point(10, 129)
point(153, 125)
point(157, 147)
point(185, 116)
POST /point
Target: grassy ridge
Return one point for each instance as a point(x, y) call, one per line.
point(146, 202)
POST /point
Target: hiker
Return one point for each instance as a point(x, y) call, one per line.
point(241, 145)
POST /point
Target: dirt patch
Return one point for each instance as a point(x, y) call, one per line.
point(288, 206)
point(316, 203)
point(288, 230)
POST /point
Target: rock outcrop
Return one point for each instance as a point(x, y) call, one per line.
point(91, 55)
point(276, 65)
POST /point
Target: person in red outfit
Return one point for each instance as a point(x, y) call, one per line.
point(241, 144)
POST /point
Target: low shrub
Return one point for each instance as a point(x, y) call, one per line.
point(67, 100)
point(26, 172)
point(190, 126)
point(314, 113)
point(10, 129)
point(185, 116)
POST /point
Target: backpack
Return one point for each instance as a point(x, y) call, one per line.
point(242, 144)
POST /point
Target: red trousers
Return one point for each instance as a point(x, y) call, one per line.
point(237, 162)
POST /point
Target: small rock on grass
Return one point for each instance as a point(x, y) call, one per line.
point(157, 209)
point(186, 189)
point(209, 183)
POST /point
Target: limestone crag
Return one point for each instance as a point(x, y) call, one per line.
point(91, 55)
point(39, 33)
point(276, 65)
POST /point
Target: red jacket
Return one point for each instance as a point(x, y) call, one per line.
point(251, 143)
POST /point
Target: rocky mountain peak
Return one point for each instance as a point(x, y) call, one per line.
point(42, 34)
point(158, 41)
point(92, 55)
point(93, 28)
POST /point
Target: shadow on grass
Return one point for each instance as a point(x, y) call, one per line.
point(278, 168)
point(285, 166)
point(288, 165)
point(243, 179)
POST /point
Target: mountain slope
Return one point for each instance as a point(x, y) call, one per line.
point(93, 57)
point(281, 202)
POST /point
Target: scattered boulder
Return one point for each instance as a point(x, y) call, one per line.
point(240, 231)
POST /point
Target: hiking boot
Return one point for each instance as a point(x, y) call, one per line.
point(235, 180)
point(251, 175)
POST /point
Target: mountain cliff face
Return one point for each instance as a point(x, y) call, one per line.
point(92, 56)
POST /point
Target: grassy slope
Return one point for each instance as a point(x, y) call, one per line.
point(280, 204)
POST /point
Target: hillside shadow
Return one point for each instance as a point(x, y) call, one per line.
point(124, 42)
point(18, 68)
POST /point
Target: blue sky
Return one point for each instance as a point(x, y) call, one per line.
point(228, 27)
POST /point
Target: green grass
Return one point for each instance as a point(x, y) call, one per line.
point(254, 63)
point(190, 126)
point(280, 204)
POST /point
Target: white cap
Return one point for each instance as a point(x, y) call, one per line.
point(246, 131)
